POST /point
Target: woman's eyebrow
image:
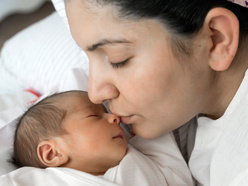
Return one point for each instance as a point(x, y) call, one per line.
point(105, 42)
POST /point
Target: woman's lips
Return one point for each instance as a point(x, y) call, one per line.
point(126, 119)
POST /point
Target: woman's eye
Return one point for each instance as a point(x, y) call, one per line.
point(119, 65)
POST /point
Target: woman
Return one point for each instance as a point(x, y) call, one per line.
point(160, 63)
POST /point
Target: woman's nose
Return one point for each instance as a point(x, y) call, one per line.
point(113, 119)
point(101, 85)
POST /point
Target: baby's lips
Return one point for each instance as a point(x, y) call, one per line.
point(120, 135)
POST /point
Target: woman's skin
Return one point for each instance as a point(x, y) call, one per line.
point(155, 89)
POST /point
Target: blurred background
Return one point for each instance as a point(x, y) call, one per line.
point(16, 15)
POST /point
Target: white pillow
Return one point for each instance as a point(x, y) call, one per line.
point(40, 56)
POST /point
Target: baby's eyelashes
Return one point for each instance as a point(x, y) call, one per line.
point(92, 115)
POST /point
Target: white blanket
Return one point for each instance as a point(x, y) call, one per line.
point(29, 176)
point(148, 162)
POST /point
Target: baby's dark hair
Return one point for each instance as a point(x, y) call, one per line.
point(40, 122)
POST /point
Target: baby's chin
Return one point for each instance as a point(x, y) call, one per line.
point(118, 160)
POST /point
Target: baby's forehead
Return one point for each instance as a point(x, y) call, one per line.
point(80, 101)
point(73, 97)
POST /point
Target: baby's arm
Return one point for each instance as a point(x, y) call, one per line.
point(166, 154)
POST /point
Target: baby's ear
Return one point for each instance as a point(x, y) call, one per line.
point(50, 154)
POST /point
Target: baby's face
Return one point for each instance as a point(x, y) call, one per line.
point(96, 142)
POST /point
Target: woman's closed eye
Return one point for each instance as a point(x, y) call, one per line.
point(120, 64)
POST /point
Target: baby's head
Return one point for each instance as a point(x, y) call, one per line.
point(67, 130)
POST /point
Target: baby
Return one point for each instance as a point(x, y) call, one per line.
point(67, 130)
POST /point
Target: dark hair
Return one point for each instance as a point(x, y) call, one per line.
point(182, 17)
point(40, 122)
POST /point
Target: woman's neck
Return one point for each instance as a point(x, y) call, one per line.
point(226, 85)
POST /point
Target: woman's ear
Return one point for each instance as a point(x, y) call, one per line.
point(224, 32)
point(50, 154)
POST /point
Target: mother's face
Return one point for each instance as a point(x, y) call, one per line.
point(133, 67)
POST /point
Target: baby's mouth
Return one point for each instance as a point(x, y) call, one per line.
point(119, 135)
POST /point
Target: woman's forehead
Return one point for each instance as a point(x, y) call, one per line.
point(90, 30)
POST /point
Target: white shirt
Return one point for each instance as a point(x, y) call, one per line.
point(220, 154)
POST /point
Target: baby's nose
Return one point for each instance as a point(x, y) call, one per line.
point(113, 119)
